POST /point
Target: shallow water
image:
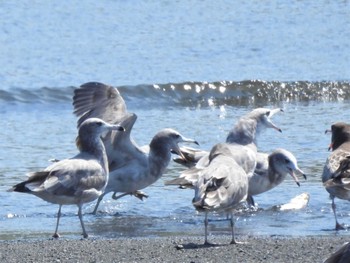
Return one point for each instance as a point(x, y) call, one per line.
point(193, 69)
point(37, 137)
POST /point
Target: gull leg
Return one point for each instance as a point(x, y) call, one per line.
point(137, 194)
point(251, 202)
point(115, 197)
point(140, 195)
point(337, 225)
point(98, 203)
point(56, 235)
point(232, 223)
point(206, 229)
point(85, 235)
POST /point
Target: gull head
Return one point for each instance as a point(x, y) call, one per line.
point(263, 118)
point(340, 133)
point(171, 138)
point(93, 128)
point(284, 162)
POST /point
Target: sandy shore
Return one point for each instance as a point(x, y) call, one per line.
point(172, 249)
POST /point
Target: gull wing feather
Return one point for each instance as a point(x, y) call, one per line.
point(69, 176)
point(223, 183)
point(94, 99)
point(332, 163)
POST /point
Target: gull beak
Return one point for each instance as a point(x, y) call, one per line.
point(275, 127)
point(302, 173)
point(291, 172)
point(272, 125)
point(294, 177)
point(177, 150)
point(116, 128)
point(193, 141)
point(77, 142)
point(109, 128)
point(274, 111)
point(330, 147)
point(270, 114)
point(184, 139)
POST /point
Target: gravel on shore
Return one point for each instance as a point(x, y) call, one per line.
point(172, 249)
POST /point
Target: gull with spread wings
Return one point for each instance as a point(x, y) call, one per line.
point(132, 168)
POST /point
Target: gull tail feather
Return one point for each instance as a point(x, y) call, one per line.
point(21, 187)
point(182, 182)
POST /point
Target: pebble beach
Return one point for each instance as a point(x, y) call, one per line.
point(172, 249)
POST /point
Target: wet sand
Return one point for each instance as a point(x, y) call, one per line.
point(172, 249)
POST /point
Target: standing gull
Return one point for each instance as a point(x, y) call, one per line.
point(336, 172)
point(131, 167)
point(223, 184)
point(78, 180)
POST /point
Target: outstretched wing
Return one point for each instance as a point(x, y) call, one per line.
point(99, 100)
point(94, 99)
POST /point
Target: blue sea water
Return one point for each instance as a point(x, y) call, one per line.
point(195, 66)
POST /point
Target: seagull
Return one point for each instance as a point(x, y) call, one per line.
point(335, 176)
point(271, 171)
point(78, 180)
point(132, 167)
point(244, 132)
point(223, 184)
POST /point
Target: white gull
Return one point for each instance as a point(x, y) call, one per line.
point(78, 180)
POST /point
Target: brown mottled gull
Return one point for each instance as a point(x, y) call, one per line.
point(336, 171)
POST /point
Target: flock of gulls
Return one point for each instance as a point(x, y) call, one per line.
point(231, 173)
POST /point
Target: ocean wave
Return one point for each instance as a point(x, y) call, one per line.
point(250, 92)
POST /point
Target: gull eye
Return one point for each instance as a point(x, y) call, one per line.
point(286, 161)
point(99, 123)
point(267, 113)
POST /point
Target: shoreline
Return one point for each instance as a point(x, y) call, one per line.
point(173, 249)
